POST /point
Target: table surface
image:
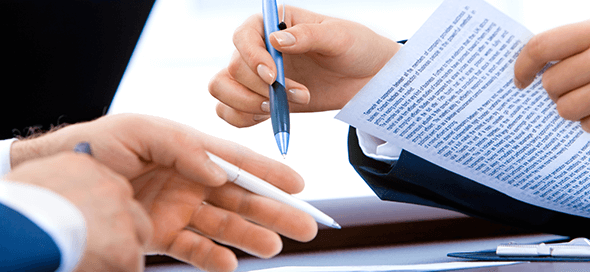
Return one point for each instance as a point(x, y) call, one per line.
point(404, 254)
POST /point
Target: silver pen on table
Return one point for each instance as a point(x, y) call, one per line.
point(258, 186)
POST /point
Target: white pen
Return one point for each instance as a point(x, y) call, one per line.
point(258, 186)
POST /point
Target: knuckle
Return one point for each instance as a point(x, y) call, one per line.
point(304, 30)
point(536, 47)
point(236, 37)
point(113, 189)
point(215, 84)
point(239, 35)
point(122, 187)
point(243, 31)
point(117, 192)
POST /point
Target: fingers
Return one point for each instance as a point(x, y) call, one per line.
point(553, 45)
point(274, 172)
point(184, 149)
point(574, 104)
point(247, 93)
point(276, 216)
point(242, 89)
point(175, 146)
point(567, 81)
point(237, 118)
point(569, 74)
point(320, 38)
point(231, 229)
point(202, 252)
point(249, 41)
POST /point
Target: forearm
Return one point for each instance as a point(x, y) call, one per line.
point(25, 150)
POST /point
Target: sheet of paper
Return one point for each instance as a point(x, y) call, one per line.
point(448, 96)
point(383, 268)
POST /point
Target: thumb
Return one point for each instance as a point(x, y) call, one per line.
point(321, 38)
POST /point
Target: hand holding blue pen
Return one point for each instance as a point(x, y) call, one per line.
point(279, 106)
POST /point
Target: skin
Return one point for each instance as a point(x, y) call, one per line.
point(568, 81)
point(327, 61)
point(118, 231)
point(189, 203)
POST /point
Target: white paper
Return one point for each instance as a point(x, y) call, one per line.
point(374, 268)
point(448, 96)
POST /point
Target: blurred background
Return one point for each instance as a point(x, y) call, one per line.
point(186, 42)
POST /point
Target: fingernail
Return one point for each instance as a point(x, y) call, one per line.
point(265, 107)
point(260, 117)
point(518, 84)
point(298, 96)
point(285, 38)
point(265, 73)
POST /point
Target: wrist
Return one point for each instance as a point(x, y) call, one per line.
point(33, 148)
point(24, 150)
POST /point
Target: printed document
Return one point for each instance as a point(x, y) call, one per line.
point(448, 96)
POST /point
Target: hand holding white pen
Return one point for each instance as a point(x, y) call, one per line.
point(263, 188)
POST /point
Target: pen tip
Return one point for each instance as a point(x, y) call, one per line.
point(336, 225)
point(282, 139)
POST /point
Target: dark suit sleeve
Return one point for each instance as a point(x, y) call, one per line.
point(415, 180)
point(64, 60)
point(23, 245)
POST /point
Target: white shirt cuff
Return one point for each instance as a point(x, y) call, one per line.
point(378, 149)
point(5, 156)
point(57, 216)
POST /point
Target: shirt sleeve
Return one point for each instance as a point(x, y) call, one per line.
point(378, 149)
point(5, 156)
point(55, 215)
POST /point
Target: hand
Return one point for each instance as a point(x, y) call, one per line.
point(327, 61)
point(117, 226)
point(183, 191)
point(568, 81)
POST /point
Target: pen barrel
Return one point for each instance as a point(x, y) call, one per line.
point(271, 24)
point(260, 187)
point(279, 108)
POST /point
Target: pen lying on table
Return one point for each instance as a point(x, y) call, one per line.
point(263, 188)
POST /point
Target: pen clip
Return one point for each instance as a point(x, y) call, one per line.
point(283, 25)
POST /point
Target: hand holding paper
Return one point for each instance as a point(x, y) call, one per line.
point(448, 96)
point(568, 81)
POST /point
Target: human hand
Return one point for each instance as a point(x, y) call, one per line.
point(568, 81)
point(118, 228)
point(326, 60)
point(183, 191)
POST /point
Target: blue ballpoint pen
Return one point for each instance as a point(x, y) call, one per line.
point(279, 106)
